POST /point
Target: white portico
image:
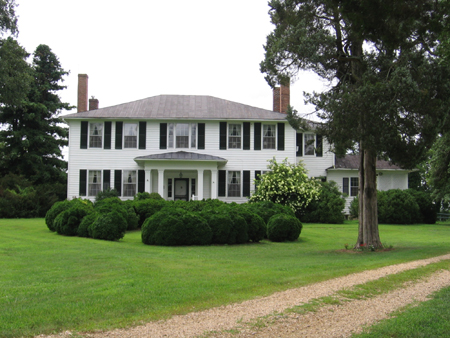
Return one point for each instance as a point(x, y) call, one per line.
point(181, 174)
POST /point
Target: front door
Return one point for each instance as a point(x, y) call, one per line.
point(181, 189)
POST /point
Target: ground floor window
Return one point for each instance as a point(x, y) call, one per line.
point(234, 184)
point(350, 186)
point(95, 182)
point(129, 182)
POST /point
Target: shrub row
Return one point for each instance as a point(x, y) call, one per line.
point(173, 223)
point(402, 207)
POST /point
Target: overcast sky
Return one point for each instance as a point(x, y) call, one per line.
point(142, 48)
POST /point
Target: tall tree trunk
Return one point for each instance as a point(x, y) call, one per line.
point(368, 234)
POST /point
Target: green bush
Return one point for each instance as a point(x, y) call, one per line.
point(125, 208)
point(428, 209)
point(239, 229)
point(266, 209)
point(145, 195)
point(175, 226)
point(68, 221)
point(328, 208)
point(110, 226)
point(354, 208)
point(54, 211)
point(283, 228)
point(256, 227)
point(86, 222)
point(220, 223)
point(397, 206)
point(147, 208)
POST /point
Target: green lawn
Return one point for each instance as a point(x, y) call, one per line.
point(50, 283)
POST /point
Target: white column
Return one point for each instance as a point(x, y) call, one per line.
point(148, 181)
point(214, 185)
point(161, 183)
point(200, 184)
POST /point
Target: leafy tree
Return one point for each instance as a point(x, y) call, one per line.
point(286, 184)
point(33, 135)
point(388, 91)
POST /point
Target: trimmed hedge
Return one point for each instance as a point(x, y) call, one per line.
point(266, 209)
point(110, 226)
point(176, 226)
point(147, 208)
point(68, 221)
point(283, 228)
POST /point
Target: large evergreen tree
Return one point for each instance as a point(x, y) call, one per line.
point(388, 91)
point(33, 134)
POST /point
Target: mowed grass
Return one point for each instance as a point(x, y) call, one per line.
point(50, 283)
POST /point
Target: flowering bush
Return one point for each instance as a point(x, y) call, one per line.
point(286, 184)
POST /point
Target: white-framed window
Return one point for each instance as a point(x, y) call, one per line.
point(94, 182)
point(269, 136)
point(354, 185)
point(130, 131)
point(234, 136)
point(95, 134)
point(234, 184)
point(129, 182)
point(309, 144)
point(182, 135)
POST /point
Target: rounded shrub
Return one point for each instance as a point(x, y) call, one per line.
point(175, 226)
point(86, 222)
point(328, 208)
point(397, 206)
point(147, 208)
point(146, 195)
point(107, 193)
point(266, 209)
point(256, 227)
point(54, 211)
point(220, 224)
point(283, 228)
point(110, 226)
point(428, 209)
point(68, 221)
point(126, 209)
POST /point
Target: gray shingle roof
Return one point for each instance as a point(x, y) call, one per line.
point(180, 107)
point(181, 155)
point(352, 162)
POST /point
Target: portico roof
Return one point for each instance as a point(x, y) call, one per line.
point(181, 156)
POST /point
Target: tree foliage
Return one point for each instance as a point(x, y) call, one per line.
point(388, 91)
point(32, 134)
point(286, 184)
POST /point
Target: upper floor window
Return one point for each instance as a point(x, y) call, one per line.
point(234, 136)
point(130, 135)
point(182, 135)
point(95, 134)
point(129, 182)
point(269, 134)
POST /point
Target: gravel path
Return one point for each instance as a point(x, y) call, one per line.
point(328, 321)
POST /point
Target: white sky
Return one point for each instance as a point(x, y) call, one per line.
point(141, 48)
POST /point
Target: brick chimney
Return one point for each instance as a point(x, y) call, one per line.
point(281, 98)
point(93, 103)
point(82, 93)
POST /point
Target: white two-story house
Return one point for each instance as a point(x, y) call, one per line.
point(185, 147)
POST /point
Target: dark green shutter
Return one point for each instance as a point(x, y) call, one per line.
point(222, 183)
point(118, 181)
point(246, 136)
point(319, 146)
point(299, 144)
point(142, 134)
point(246, 183)
point(119, 128)
point(84, 135)
point(83, 182)
point(201, 136)
point(257, 178)
point(223, 136)
point(141, 180)
point(257, 136)
point(106, 179)
point(107, 144)
point(163, 136)
point(280, 135)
